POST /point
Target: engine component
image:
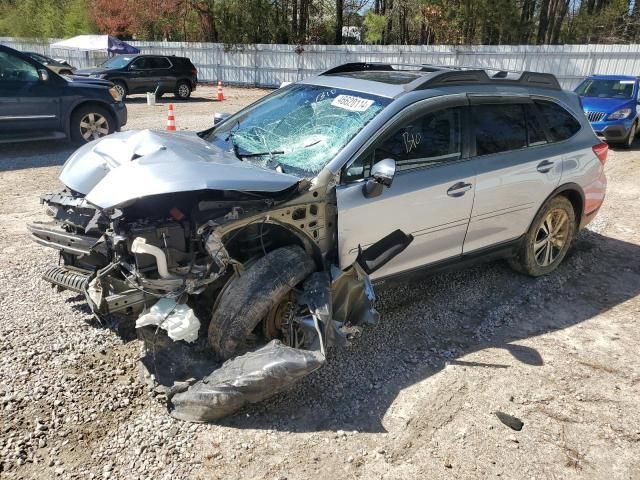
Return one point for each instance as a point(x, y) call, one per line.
point(65, 278)
point(140, 245)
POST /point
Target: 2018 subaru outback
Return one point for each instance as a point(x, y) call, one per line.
point(269, 225)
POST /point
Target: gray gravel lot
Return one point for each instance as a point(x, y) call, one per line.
point(413, 397)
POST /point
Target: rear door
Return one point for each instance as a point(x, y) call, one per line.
point(162, 74)
point(27, 104)
point(517, 169)
point(432, 191)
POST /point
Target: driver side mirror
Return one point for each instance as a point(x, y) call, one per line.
point(382, 174)
point(218, 117)
point(43, 75)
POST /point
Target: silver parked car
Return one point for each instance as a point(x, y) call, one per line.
point(271, 224)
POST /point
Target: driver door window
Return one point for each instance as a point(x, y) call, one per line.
point(429, 140)
point(13, 69)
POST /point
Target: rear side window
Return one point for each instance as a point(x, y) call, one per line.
point(499, 128)
point(535, 131)
point(158, 62)
point(560, 123)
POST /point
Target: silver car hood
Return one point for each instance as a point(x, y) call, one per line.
point(125, 166)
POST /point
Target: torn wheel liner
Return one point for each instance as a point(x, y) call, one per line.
point(249, 378)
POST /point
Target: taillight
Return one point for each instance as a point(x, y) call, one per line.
point(194, 72)
point(601, 150)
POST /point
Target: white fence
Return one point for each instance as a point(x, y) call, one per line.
point(269, 65)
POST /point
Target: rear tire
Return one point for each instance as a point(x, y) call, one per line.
point(183, 90)
point(90, 122)
point(548, 239)
point(248, 298)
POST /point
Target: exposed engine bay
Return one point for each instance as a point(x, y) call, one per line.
point(217, 274)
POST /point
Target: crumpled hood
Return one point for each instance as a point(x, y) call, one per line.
point(134, 164)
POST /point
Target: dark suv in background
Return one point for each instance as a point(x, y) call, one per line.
point(145, 73)
point(37, 103)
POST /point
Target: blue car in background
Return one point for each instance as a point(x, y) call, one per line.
point(611, 105)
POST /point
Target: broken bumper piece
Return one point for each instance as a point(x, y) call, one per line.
point(249, 378)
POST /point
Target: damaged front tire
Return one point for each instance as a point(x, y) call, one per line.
point(250, 296)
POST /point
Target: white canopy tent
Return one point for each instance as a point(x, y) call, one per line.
point(91, 43)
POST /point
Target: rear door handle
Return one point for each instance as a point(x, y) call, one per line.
point(545, 166)
point(459, 189)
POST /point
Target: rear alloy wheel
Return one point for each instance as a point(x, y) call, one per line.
point(91, 123)
point(183, 90)
point(548, 239)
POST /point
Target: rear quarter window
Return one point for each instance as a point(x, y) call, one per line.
point(560, 123)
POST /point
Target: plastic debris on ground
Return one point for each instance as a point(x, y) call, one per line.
point(178, 320)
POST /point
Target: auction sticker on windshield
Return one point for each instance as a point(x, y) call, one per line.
point(349, 102)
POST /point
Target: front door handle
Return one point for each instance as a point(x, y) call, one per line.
point(544, 166)
point(459, 189)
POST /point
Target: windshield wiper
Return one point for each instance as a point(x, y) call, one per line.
point(259, 154)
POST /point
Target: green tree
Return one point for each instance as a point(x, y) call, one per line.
point(374, 27)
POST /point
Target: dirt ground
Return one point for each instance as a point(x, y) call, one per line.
point(413, 397)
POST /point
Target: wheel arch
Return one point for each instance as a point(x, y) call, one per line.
point(285, 234)
point(572, 192)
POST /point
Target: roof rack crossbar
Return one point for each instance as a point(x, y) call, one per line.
point(450, 75)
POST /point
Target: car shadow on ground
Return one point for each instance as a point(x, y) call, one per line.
point(167, 100)
point(35, 154)
point(421, 331)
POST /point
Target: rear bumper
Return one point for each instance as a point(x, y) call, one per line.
point(594, 195)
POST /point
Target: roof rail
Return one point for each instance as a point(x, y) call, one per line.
point(449, 75)
point(380, 66)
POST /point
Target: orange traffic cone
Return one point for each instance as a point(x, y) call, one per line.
point(220, 96)
point(171, 119)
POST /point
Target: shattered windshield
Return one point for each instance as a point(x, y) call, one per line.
point(298, 129)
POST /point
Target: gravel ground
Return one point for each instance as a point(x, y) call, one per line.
point(414, 397)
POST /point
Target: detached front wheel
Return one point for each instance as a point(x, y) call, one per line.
point(548, 239)
point(252, 296)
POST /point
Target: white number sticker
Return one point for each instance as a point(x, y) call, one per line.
point(627, 82)
point(348, 102)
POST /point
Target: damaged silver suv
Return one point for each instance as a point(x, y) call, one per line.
point(267, 228)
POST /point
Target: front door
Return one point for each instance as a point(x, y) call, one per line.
point(517, 169)
point(139, 73)
point(27, 103)
point(431, 195)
